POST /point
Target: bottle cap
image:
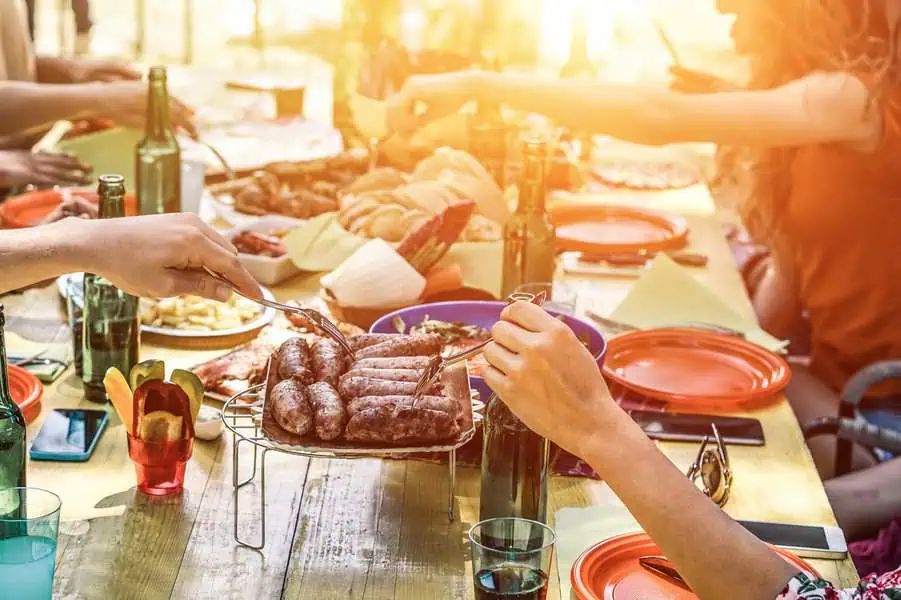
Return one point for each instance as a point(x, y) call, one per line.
point(158, 72)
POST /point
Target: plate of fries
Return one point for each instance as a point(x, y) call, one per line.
point(196, 317)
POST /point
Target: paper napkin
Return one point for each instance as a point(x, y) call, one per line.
point(578, 529)
point(667, 294)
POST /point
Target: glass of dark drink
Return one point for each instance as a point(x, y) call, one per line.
point(75, 310)
point(511, 558)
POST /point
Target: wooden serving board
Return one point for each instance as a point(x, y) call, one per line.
point(456, 385)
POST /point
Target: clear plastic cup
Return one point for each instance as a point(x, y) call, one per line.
point(511, 557)
point(29, 528)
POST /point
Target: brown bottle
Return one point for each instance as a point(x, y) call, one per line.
point(488, 132)
point(529, 235)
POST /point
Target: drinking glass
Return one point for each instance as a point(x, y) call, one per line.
point(560, 298)
point(29, 525)
point(75, 310)
point(160, 466)
point(511, 558)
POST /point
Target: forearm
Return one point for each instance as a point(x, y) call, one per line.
point(28, 256)
point(866, 500)
point(633, 113)
point(53, 69)
point(25, 105)
point(715, 555)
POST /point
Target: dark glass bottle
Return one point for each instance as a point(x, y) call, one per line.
point(12, 442)
point(111, 335)
point(158, 160)
point(488, 131)
point(514, 467)
point(529, 235)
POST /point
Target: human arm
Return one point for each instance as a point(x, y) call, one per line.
point(59, 69)
point(545, 375)
point(26, 105)
point(20, 167)
point(866, 500)
point(777, 302)
point(150, 256)
point(820, 108)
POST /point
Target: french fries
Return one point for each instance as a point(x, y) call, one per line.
point(198, 314)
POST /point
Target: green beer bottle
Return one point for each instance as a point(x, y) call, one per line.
point(111, 333)
point(158, 160)
point(12, 442)
point(529, 235)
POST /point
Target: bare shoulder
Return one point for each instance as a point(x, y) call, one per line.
point(846, 102)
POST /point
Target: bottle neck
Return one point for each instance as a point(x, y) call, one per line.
point(112, 206)
point(5, 396)
point(159, 125)
point(532, 186)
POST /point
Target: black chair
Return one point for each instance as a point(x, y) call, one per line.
point(851, 426)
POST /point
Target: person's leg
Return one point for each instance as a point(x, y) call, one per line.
point(867, 500)
point(811, 398)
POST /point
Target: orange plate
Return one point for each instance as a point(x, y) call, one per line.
point(26, 391)
point(615, 229)
point(687, 366)
point(30, 209)
point(610, 571)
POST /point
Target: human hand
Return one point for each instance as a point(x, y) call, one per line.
point(541, 370)
point(88, 70)
point(158, 256)
point(689, 81)
point(72, 205)
point(426, 98)
point(20, 167)
point(125, 102)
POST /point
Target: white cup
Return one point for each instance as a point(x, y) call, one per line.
point(193, 167)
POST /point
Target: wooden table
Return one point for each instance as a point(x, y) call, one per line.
point(370, 528)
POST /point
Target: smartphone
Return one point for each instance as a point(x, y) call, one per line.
point(69, 434)
point(807, 541)
point(683, 427)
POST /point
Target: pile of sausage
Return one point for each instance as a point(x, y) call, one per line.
point(321, 392)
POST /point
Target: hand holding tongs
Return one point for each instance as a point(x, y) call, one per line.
point(438, 363)
point(315, 316)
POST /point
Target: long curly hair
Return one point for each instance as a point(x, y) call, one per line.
point(797, 38)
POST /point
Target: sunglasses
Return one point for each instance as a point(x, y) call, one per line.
point(711, 471)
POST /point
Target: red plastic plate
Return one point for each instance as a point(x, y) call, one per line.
point(697, 368)
point(26, 391)
point(616, 229)
point(610, 571)
point(30, 209)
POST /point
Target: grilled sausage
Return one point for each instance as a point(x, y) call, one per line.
point(295, 361)
point(393, 362)
point(290, 404)
point(387, 374)
point(357, 387)
point(358, 342)
point(404, 345)
point(328, 361)
point(439, 403)
point(329, 416)
point(391, 425)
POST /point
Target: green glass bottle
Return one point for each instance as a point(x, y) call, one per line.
point(12, 442)
point(111, 335)
point(529, 235)
point(158, 160)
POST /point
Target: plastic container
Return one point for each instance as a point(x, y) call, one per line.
point(160, 466)
point(265, 269)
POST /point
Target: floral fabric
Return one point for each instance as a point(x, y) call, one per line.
point(874, 587)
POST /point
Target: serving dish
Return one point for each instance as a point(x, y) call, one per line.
point(266, 269)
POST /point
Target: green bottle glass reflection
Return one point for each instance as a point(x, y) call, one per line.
point(111, 335)
point(12, 440)
point(529, 235)
point(158, 160)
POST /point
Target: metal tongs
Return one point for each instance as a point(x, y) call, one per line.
point(438, 363)
point(327, 327)
point(662, 567)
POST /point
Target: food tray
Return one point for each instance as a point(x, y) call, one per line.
point(455, 380)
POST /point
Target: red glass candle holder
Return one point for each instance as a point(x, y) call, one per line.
point(160, 466)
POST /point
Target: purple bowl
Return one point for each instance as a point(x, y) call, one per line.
point(484, 314)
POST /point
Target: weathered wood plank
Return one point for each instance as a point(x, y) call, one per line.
point(214, 566)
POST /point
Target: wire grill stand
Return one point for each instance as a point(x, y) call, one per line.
point(242, 416)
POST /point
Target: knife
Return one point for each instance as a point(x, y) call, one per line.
point(660, 566)
point(641, 258)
